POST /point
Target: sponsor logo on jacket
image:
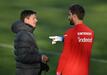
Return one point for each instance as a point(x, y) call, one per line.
point(81, 36)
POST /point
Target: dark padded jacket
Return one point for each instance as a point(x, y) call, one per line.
point(25, 48)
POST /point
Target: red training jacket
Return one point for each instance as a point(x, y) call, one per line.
point(75, 56)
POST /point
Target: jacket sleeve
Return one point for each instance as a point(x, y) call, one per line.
point(25, 49)
point(65, 52)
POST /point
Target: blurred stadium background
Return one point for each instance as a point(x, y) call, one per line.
point(52, 20)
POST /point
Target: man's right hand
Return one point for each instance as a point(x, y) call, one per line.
point(44, 58)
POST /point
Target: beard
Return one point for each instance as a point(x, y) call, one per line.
point(71, 22)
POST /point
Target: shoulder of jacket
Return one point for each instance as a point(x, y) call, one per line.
point(24, 34)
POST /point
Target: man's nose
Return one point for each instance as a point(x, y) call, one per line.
point(36, 20)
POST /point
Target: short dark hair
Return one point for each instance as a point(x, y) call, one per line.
point(78, 10)
point(26, 13)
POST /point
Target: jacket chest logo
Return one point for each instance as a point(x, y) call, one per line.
point(84, 36)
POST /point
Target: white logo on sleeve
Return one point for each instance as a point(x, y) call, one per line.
point(65, 35)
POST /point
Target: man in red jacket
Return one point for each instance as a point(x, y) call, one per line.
point(78, 40)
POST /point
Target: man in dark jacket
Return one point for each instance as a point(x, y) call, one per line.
point(28, 59)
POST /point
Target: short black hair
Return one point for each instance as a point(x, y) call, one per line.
point(26, 13)
point(78, 10)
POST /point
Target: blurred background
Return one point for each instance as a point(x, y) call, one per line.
point(52, 20)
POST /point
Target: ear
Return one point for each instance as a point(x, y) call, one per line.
point(75, 16)
point(26, 20)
